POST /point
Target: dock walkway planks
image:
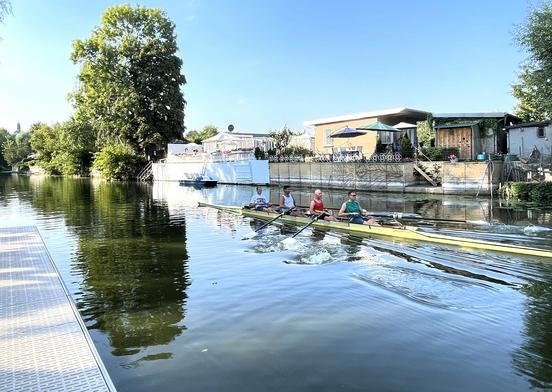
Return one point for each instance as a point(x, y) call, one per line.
point(44, 344)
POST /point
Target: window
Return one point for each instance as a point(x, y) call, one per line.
point(385, 137)
point(327, 138)
point(540, 132)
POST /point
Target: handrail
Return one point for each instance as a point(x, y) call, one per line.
point(145, 172)
point(420, 152)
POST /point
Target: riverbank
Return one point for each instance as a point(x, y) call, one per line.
point(460, 178)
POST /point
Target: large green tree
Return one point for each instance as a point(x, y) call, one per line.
point(534, 86)
point(130, 79)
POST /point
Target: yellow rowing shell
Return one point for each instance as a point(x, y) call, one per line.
point(403, 232)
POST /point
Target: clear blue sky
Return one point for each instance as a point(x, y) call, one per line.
point(262, 64)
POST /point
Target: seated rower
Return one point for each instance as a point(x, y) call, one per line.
point(287, 203)
point(317, 207)
point(259, 201)
point(352, 210)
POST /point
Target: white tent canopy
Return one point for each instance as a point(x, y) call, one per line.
point(222, 137)
point(404, 125)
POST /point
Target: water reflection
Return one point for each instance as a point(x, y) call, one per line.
point(534, 358)
point(131, 256)
point(463, 208)
point(134, 265)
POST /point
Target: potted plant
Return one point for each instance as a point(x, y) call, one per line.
point(453, 158)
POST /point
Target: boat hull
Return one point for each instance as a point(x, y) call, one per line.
point(403, 233)
point(201, 184)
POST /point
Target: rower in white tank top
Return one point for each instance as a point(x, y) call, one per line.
point(286, 200)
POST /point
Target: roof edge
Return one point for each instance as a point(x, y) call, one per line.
point(359, 116)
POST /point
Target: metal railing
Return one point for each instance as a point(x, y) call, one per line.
point(146, 173)
point(381, 157)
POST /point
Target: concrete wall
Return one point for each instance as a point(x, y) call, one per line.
point(457, 178)
point(471, 177)
point(354, 175)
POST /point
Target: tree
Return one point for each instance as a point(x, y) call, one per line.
point(5, 9)
point(4, 135)
point(44, 142)
point(207, 132)
point(407, 151)
point(77, 146)
point(65, 148)
point(281, 139)
point(129, 90)
point(425, 131)
point(17, 149)
point(117, 162)
point(534, 87)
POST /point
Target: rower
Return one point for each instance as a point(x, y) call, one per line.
point(259, 201)
point(317, 206)
point(352, 210)
point(287, 202)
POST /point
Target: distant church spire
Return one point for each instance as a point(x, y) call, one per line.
point(18, 128)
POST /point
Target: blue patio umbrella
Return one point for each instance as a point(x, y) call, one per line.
point(347, 132)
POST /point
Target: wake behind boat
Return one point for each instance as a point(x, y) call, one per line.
point(403, 232)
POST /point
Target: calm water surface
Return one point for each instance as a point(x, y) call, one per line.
point(176, 300)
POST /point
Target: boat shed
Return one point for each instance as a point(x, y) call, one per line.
point(462, 136)
point(473, 133)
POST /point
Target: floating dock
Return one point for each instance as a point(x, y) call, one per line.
point(44, 344)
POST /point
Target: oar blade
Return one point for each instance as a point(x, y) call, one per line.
point(290, 243)
point(250, 235)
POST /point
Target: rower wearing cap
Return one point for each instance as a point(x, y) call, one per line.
point(352, 210)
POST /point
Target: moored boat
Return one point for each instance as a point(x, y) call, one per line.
point(401, 232)
point(199, 181)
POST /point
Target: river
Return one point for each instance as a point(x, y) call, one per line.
point(175, 299)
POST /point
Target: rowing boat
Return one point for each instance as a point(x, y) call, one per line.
point(403, 232)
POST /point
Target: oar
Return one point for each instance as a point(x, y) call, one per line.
point(254, 233)
point(291, 240)
point(407, 216)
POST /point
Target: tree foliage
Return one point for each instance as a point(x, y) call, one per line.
point(129, 81)
point(407, 151)
point(281, 138)
point(4, 135)
point(5, 9)
point(207, 132)
point(534, 86)
point(117, 162)
point(65, 148)
point(17, 148)
point(425, 131)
